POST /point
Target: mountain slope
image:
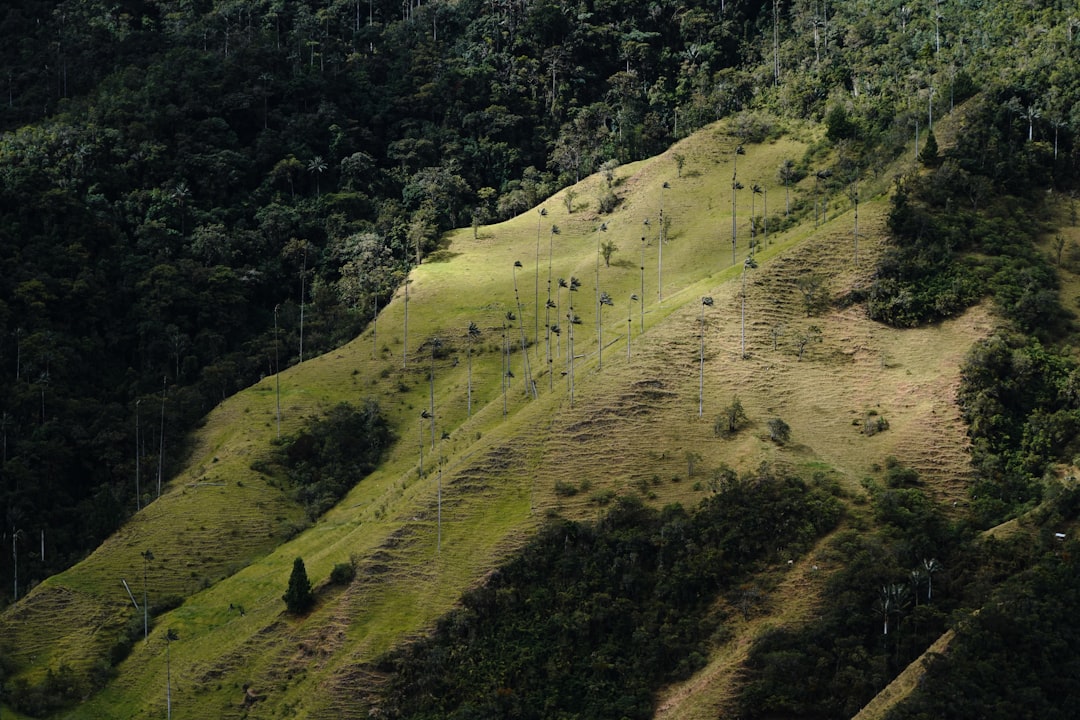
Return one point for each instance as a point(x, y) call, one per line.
point(628, 431)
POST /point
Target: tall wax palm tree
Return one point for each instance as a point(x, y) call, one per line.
point(472, 334)
point(660, 246)
point(641, 327)
point(536, 287)
point(506, 373)
point(161, 437)
point(530, 387)
point(571, 320)
point(735, 186)
point(629, 323)
point(930, 567)
point(765, 211)
point(854, 193)
point(599, 231)
point(755, 190)
point(787, 174)
point(558, 312)
point(138, 447)
point(317, 166)
point(550, 329)
point(749, 263)
point(277, 372)
point(436, 343)
point(424, 417)
point(605, 299)
point(170, 637)
point(819, 216)
point(705, 302)
point(549, 305)
point(405, 328)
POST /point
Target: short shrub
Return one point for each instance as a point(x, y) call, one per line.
point(343, 574)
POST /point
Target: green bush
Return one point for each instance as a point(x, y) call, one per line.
point(342, 574)
point(329, 456)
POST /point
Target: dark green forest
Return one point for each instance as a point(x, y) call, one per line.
point(177, 178)
point(194, 191)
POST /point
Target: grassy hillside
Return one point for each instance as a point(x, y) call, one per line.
point(224, 537)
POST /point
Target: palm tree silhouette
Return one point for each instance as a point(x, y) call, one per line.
point(605, 299)
point(705, 302)
point(472, 334)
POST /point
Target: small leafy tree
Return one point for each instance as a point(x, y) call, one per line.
point(607, 249)
point(814, 291)
point(568, 200)
point(731, 420)
point(776, 331)
point(812, 335)
point(692, 460)
point(779, 431)
point(298, 598)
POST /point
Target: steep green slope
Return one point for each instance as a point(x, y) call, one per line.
point(628, 431)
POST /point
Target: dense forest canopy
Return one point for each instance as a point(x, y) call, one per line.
point(184, 185)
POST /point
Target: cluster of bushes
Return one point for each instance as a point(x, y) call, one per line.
point(1021, 400)
point(962, 229)
point(589, 620)
point(898, 577)
point(1017, 656)
point(328, 457)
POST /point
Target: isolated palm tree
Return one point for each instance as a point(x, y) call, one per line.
point(765, 211)
point(596, 288)
point(170, 637)
point(660, 246)
point(436, 343)
point(317, 166)
point(529, 386)
point(571, 320)
point(755, 190)
point(549, 304)
point(558, 312)
point(930, 567)
point(787, 175)
point(542, 212)
point(424, 417)
point(605, 299)
point(705, 302)
point(472, 334)
point(819, 215)
point(629, 323)
point(405, 328)
point(749, 263)
point(735, 186)
point(853, 193)
point(641, 327)
point(506, 373)
point(277, 372)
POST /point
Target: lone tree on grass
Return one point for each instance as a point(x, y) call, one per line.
point(607, 249)
point(815, 292)
point(298, 598)
point(705, 302)
point(779, 431)
point(732, 419)
point(473, 334)
point(812, 335)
